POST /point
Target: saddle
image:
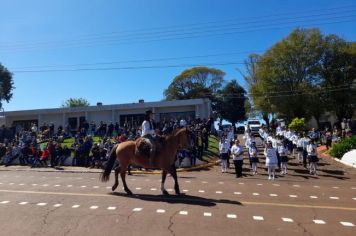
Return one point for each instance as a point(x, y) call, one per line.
point(145, 145)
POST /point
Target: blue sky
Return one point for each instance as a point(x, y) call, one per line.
point(66, 32)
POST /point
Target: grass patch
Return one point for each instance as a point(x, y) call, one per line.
point(342, 147)
point(213, 149)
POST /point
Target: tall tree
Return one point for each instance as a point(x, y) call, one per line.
point(196, 82)
point(76, 102)
point(231, 102)
point(6, 85)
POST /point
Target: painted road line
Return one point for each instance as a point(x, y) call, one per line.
point(75, 206)
point(153, 189)
point(255, 194)
point(313, 197)
point(276, 185)
point(259, 184)
point(241, 183)
point(219, 192)
point(183, 213)
point(111, 208)
point(161, 211)
point(138, 188)
point(45, 185)
point(11, 183)
point(335, 187)
point(95, 186)
point(41, 204)
point(23, 203)
point(69, 186)
point(237, 193)
point(348, 224)
point(21, 184)
point(108, 187)
point(185, 190)
point(319, 222)
point(137, 209)
point(260, 218)
point(207, 214)
point(94, 207)
point(57, 185)
point(293, 196)
point(201, 191)
point(354, 198)
point(57, 205)
point(296, 185)
point(316, 186)
point(188, 181)
point(170, 190)
point(4, 202)
point(334, 198)
point(221, 182)
point(204, 182)
point(273, 195)
point(289, 220)
point(231, 216)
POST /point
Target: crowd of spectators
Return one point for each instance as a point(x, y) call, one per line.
point(46, 146)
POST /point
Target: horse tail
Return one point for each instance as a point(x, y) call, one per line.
point(105, 176)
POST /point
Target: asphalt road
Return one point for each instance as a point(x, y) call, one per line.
point(62, 203)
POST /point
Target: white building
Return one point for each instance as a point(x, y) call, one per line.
point(132, 113)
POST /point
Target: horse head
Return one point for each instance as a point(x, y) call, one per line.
point(185, 138)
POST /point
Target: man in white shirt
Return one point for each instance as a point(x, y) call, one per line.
point(148, 133)
point(237, 151)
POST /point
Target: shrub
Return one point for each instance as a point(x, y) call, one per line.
point(342, 147)
point(298, 125)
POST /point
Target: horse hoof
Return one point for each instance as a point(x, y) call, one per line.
point(165, 192)
point(128, 192)
point(114, 187)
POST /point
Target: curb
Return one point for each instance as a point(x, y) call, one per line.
point(324, 155)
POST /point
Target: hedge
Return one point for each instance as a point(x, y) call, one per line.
point(342, 147)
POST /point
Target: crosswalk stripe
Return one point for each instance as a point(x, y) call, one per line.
point(289, 220)
point(348, 224)
point(319, 222)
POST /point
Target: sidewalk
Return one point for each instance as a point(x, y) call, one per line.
point(74, 169)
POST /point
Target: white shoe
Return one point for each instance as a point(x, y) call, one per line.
point(269, 178)
point(273, 178)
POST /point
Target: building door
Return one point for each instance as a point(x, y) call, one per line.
point(73, 123)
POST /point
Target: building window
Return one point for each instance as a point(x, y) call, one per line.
point(188, 116)
point(133, 120)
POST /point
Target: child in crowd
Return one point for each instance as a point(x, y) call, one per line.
point(271, 160)
point(224, 147)
point(283, 154)
point(312, 156)
point(253, 156)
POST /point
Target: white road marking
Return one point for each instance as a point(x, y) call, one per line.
point(349, 224)
point(258, 218)
point(336, 187)
point(287, 220)
point(95, 186)
point(41, 204)
point(1, 183)
point(316, 186)
point(153, 189)
point(319, 222)
point(21, 184)
point(188, 181)
point(185, 190)
point(4, 202)
point(57, 185)
point(11, 183)
point(161, 211)
point(201, 191)
point(231, 216)
point(273, 195)
point(255, 194)
point(353, 188)
point(45, 185)
point(237, 193)
point(334, 198)
point(58, 205)
point(92, 178)
point(204, 182)
point(241, 183)
point(83, 186)
point(94, 207)
point(108, 187)
point(207, 214)
point(221, 182)
point(57, 177)
point(293, 196)
point(75, 206)
point(23, 203)
point(183, 213)
point(69, 186)
point(170, 190)
point(34, 184)
point(277, 185)
point(313, 197)
point(111, 208)
point(219, 192)
point(259, 184)
point(138, 188)
point(137, 209)
point(354, 198)
point(296, 185)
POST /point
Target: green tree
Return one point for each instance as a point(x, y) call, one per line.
point(196, 82)
point(231, 102)
point(298, 125)
point(76, 102)
point(6, 85)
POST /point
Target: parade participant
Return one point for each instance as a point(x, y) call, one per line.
point(249, 139)
point(312, 156)
point(254, 158)
point(328, 138)
point(148, 132)
point(223, 150)
point(300, 148)
point(305, 142)
point(271, 160)
point(283, 154)
point(237, 157)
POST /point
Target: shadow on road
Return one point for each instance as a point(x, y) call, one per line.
point(179, 199)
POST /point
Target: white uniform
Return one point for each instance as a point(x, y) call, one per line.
point(237, 152)
point(147, 128)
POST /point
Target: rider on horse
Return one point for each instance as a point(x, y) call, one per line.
point(149, 134)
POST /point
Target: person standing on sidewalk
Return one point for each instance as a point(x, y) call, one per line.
point(271, 160)
point(224, 147)
point(237, 157)
point(253, 156)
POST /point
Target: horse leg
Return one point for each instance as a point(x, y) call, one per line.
point(164, 175)
point(173, 172)
point(117, 171)
point(123, 176)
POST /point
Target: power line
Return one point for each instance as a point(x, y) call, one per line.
point(186, 35)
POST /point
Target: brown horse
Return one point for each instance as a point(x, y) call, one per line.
point(125, 155)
